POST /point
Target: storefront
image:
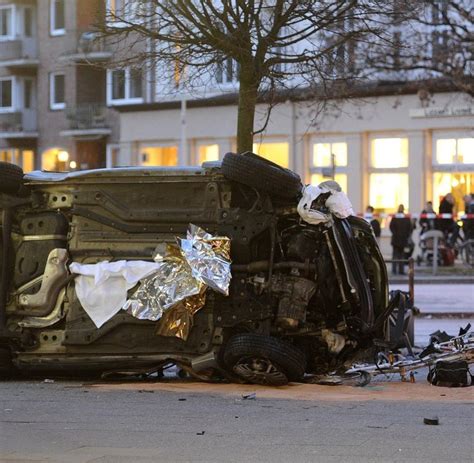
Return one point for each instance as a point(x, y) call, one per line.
point(385, 151)
point(24, 158)
point(453, 167)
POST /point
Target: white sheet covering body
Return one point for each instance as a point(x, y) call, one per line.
point(102, 288)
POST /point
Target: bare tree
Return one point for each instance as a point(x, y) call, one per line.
point(275, 44)
point(433, 39)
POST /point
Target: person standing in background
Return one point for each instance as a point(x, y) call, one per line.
point(448, 225)
point(468, 223)
point(425, 222)
point(401, 228)
point(375, 224)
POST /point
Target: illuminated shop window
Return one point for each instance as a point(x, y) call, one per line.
point(275, 152)
point(387, 191)
point(316, 179)
point(7, 156)
point(159, 156)
point(454, 151)
point(458, 183)
point(451, 160)
point(207, 153)
point(23, 158)
point(323, 153)
point(28, 160)
point(328, 159)
point(55, 160)
point(389, 153)
point(465, 150)
point(446, 151)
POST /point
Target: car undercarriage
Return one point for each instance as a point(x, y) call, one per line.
point(303, 298)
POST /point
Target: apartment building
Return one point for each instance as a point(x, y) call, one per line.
point(53, 95)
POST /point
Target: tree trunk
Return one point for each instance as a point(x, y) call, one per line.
point(248, 91)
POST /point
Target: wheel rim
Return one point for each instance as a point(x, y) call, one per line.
point(259, 370)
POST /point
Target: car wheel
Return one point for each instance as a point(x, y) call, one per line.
point(261, 359)
point(11, 178)
point(259, 173)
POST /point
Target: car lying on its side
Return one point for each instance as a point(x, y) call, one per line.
point(303, 298)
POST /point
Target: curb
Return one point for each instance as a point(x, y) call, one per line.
point(444, 315)
point(435, 280)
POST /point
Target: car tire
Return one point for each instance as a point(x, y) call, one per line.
point(257, 172)
point(261, 359)
point(11, 178)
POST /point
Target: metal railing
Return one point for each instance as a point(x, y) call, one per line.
point(10, 122)
point(19, 121)
point(87, 116)
point(21, 48)
point(86, 44)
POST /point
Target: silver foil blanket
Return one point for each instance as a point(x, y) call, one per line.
point(201, 260)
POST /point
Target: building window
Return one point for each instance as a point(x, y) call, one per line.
point(118, 84)
point(57, 17)
point(456, 183)
point(454, 151)
point(453, 162)
point(227, 71)
point(28, 22)
point(6, 23)
point(56, 160)
point(329, 160)
point(23, 158)
point(124, 86)
point(388, 184)
point(57, 92)
point(159, 156)
point(275, 152)
point(387, 191)
point(116, 7)
point(28, 93)
point(389, 153)
point(325, 154)
point(208, 153)
point(120, 11)
point(6, 94)
point(316, 179)
point(112, 155)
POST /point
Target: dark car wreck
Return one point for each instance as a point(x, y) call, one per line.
point(303, 298)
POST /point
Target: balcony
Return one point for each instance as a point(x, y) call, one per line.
point(87, 122)
point(19, 53)
point(18, 124)
point(88, 48)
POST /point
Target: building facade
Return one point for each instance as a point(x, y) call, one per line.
point(53, 85)
point(386, 150)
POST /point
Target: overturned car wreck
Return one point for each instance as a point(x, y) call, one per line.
point(305, 296)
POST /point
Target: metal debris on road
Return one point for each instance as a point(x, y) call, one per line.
point(432, 421)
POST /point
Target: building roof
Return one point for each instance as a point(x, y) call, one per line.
point(342, 90)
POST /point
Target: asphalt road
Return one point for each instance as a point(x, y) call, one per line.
point(66, 422)
point(443, 307)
